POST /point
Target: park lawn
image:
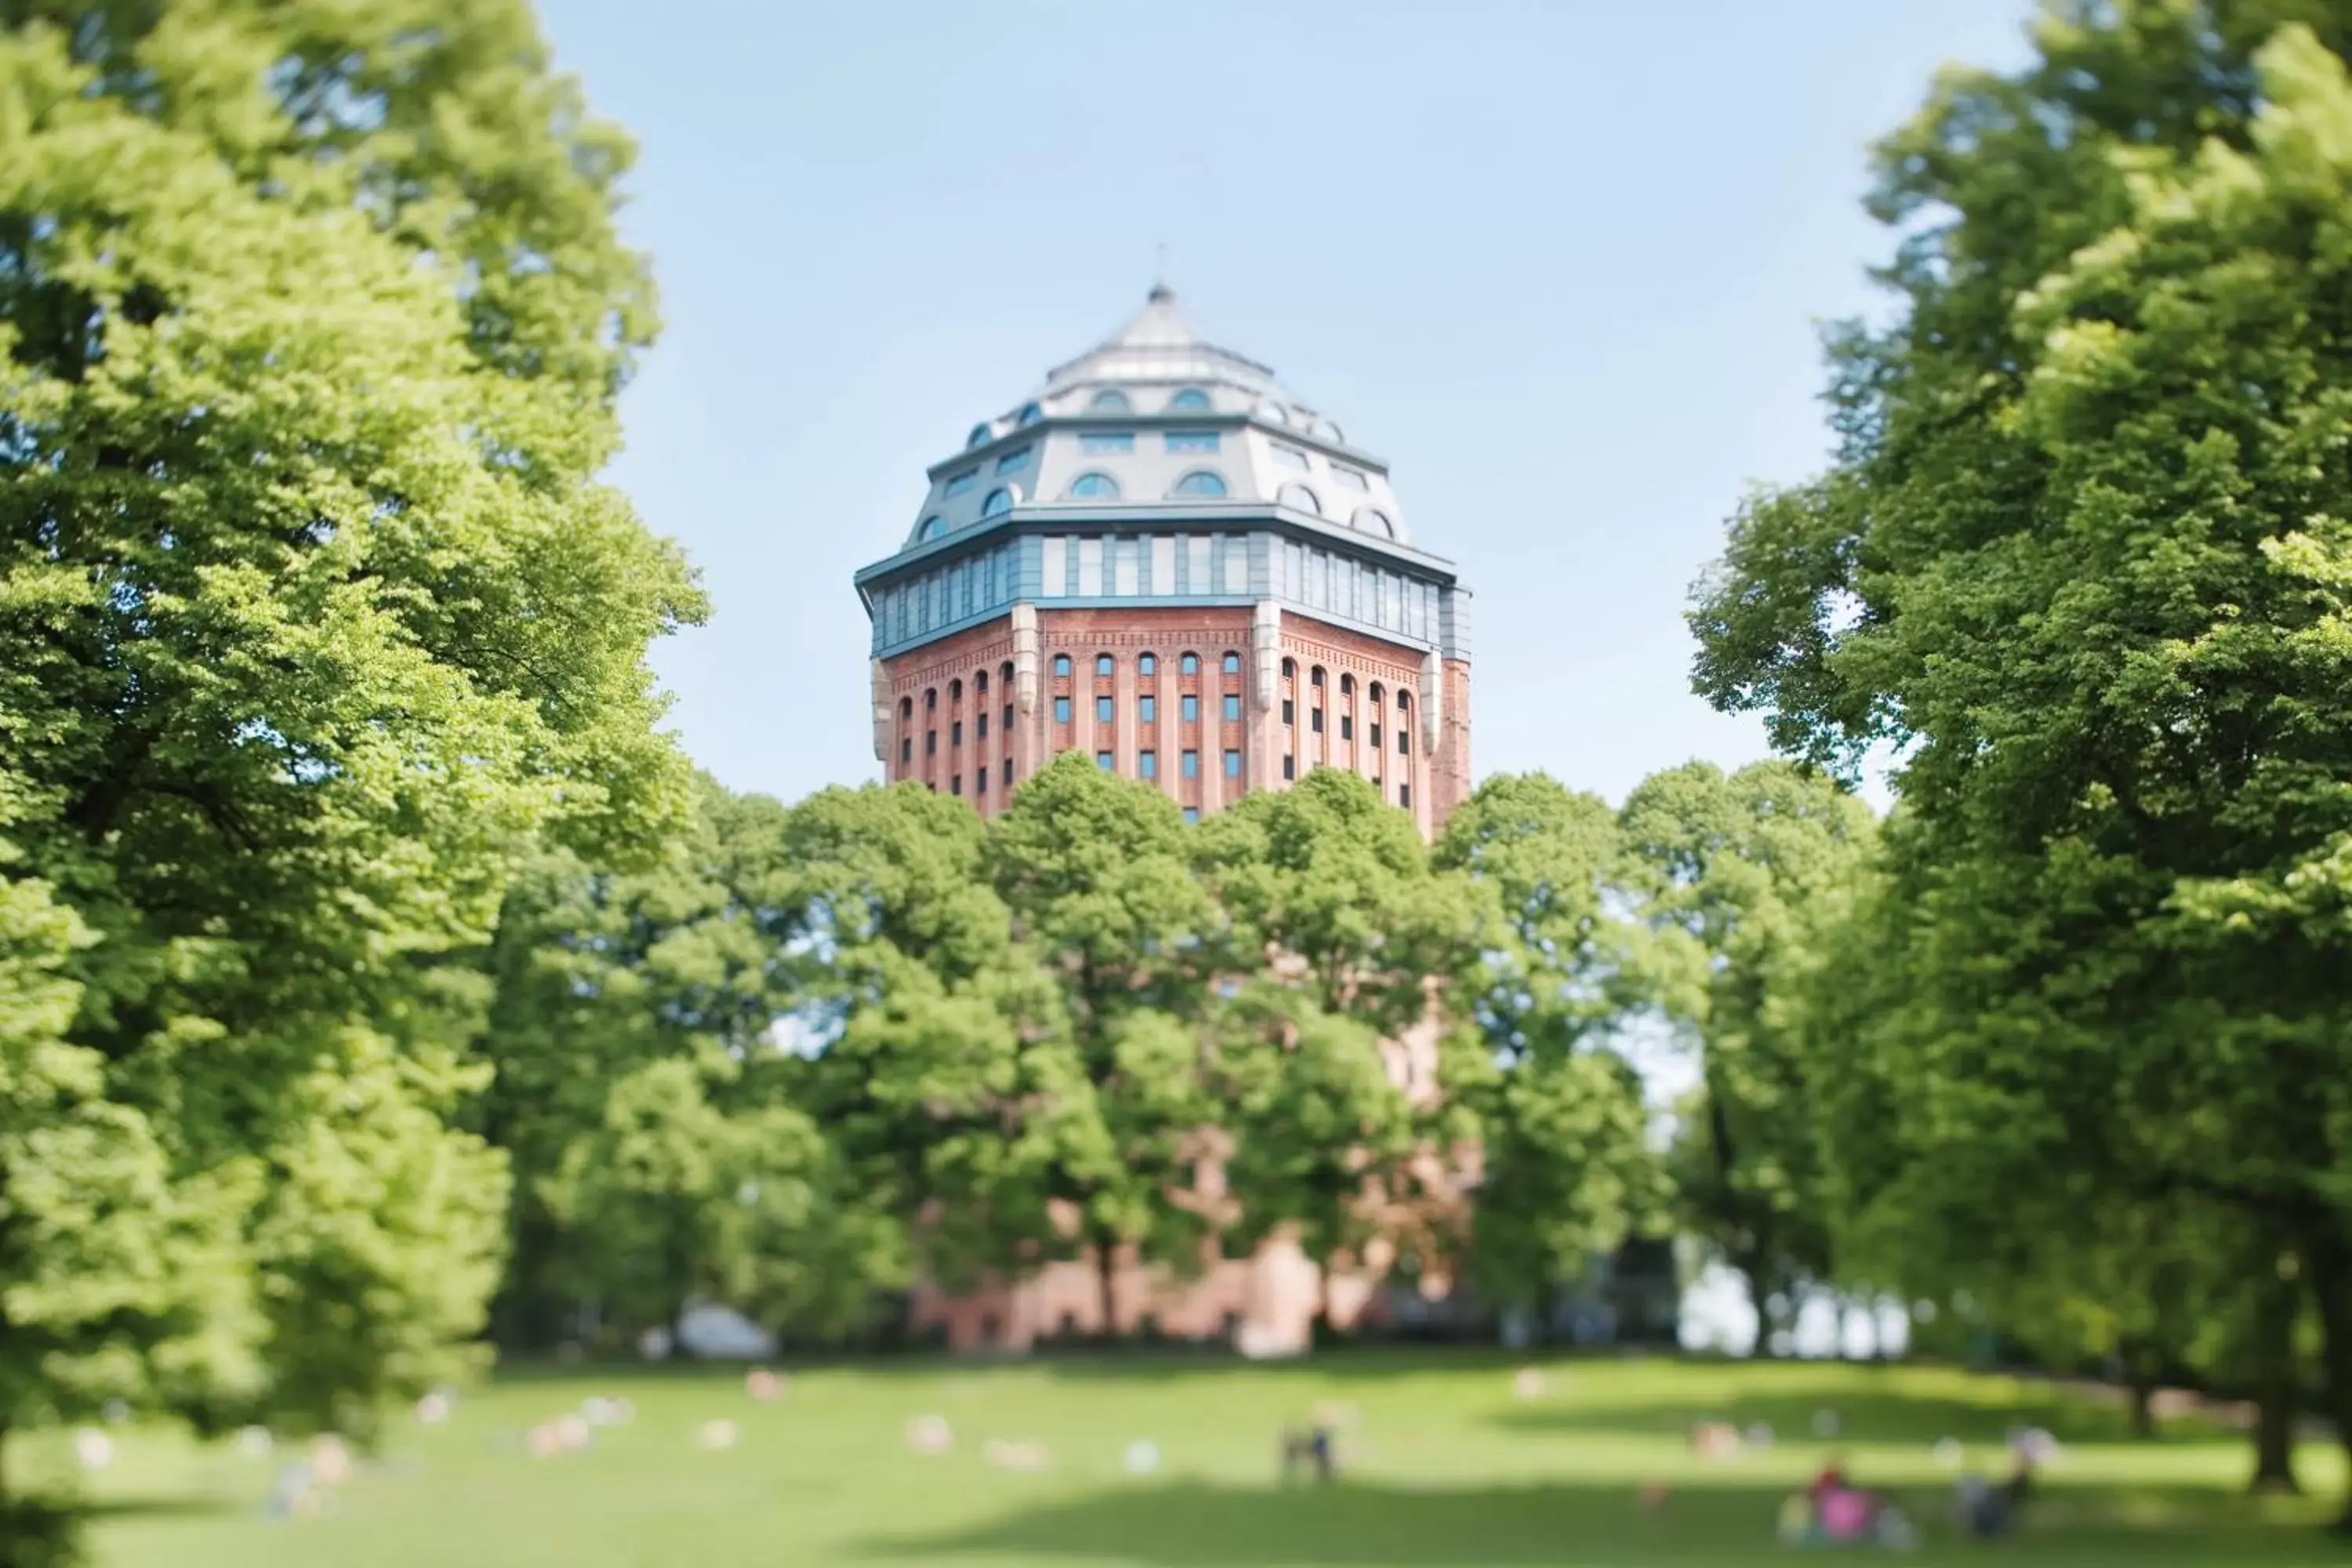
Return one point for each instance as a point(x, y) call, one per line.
point(1450, 1468)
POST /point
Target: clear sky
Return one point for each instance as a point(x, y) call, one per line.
point(1561, 263)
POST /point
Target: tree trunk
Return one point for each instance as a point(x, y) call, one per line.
point(1760, 1296)
point(2140, 1377)
point(1107, 1285)
point(2278, 1387)
point(2327, 1258)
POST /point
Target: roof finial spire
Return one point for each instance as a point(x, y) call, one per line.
point(1159, 289)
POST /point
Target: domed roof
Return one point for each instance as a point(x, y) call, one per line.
point(1160, 343)
point(1158, 377)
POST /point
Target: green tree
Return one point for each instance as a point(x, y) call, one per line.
point(1323, 1135)
point(1339, 926)
point(2081, 559)
point(312, 318)
point(937, 1053)
point(1752, 868)
point(1568, 1171)
point(1093, 869)
point(646, 1093)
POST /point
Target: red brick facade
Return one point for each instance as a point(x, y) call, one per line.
point(1192, 700)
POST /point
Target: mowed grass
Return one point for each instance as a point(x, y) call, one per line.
point(1450, 1469)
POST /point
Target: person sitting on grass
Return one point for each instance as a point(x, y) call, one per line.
point(1985, 1512)
point(1797, 1522)
point(1311, 1446)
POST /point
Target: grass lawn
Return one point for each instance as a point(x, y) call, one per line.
point(1450, 1470)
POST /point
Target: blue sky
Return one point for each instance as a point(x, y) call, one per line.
point(1561, 263)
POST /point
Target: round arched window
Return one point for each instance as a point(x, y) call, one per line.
point(1271, 413)
point(1202, 483)
point(1372, 520)
point(1030, 414)
point(1298, 498)
point(1191, 400)
point(1094, 486)
point(1330, 432)
point(998, 503)
point(979, 436)
point(932, 528)
point(1110, 400)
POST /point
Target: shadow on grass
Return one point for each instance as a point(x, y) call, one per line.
point(106, 1509)
point(1193, 1525)
point(1864, 1416)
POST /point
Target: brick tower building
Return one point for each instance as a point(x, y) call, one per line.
point(1164, 560)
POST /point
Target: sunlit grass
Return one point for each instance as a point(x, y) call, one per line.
point(1448, 1465)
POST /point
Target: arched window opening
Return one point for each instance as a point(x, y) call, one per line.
point(981, 435)
point(955, 692)
point(1202, 483)
point(1094, 486)
point(999, 502)
point(1190, 664)
point(1105, 665)
point(1060, 666)
point(1110, 400)
point(1030, 414)
point(906, 709)
point(1147, 664)
point(932, 528)
point(1298, 498)
point(1191, 399)
point(1314, 676)
point(931, 699)
point(979, 683)
point(1231, 663)
point(1372, 520)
